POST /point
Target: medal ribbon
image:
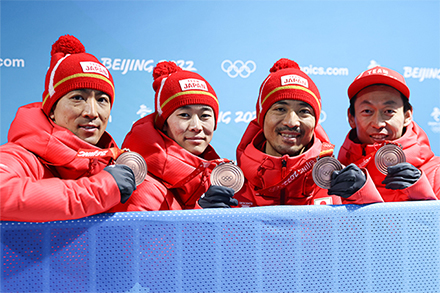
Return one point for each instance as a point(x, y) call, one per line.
point(363, 162)
point(202, 166)
point(326, 150)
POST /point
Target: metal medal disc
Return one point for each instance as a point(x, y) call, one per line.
point(323, 169)
point(388, 155)
point(136, 163)
point(228, 175)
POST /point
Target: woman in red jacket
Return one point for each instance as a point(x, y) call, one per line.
point(174, 140)
point(55, 164)
point(379, 114)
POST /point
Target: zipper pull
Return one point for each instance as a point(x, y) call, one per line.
point(283, 167)
point(364, 153)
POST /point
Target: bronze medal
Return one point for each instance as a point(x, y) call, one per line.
point(228, 175)
point(388, 155)
point(136, 163)
point(323, 169)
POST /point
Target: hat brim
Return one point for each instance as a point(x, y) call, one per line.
point(366, 81)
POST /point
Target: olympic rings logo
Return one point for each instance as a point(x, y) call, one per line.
point(227, 178)
point(233, 69)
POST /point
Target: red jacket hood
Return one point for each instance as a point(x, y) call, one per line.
point(54, 145)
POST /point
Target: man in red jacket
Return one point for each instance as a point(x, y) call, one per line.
point(280, 147)
point(380, 114)
point(56, 164)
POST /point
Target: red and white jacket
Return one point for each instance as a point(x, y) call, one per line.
point(176, 178)
point(288, 180)
point(41, 177)
point(415, 145)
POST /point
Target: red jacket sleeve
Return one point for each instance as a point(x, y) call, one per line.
point(421, 190)
point(29, 192)
point(367, 194)
point(150, 195)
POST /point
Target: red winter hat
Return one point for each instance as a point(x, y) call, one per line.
point(378, 75)
point(71, 68)
point(176, 87)
point(286, 81)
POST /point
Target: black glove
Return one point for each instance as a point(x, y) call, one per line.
point(347, 181)
point(218, 197)
point(401, 176)
point(124, 177)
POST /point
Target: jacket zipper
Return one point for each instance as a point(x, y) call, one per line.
point(283, 173)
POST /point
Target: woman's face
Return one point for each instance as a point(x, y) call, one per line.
point(192, 127)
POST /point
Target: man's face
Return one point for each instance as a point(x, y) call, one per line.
point(379, 114)
point(192, 127)
point(84, 112)
point(288, 127)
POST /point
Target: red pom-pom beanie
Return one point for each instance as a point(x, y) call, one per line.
point(286, 81)
point(176, 87)
point(71, 68)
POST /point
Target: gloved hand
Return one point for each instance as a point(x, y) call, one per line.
point(401, 176)
point(124, 177)
point(218, 197)
point(347, 181)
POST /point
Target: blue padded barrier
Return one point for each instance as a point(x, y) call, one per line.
point(390, 247)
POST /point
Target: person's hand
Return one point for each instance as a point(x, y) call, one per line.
point(218, 197)
point(347, 181)
point(125, 179)
point(401, 176)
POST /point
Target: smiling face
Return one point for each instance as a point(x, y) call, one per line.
point(192, 127)
point(379, 114)
point(288, 127)
point(84, 112)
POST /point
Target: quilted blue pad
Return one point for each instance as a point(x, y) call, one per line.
point(389, 247)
